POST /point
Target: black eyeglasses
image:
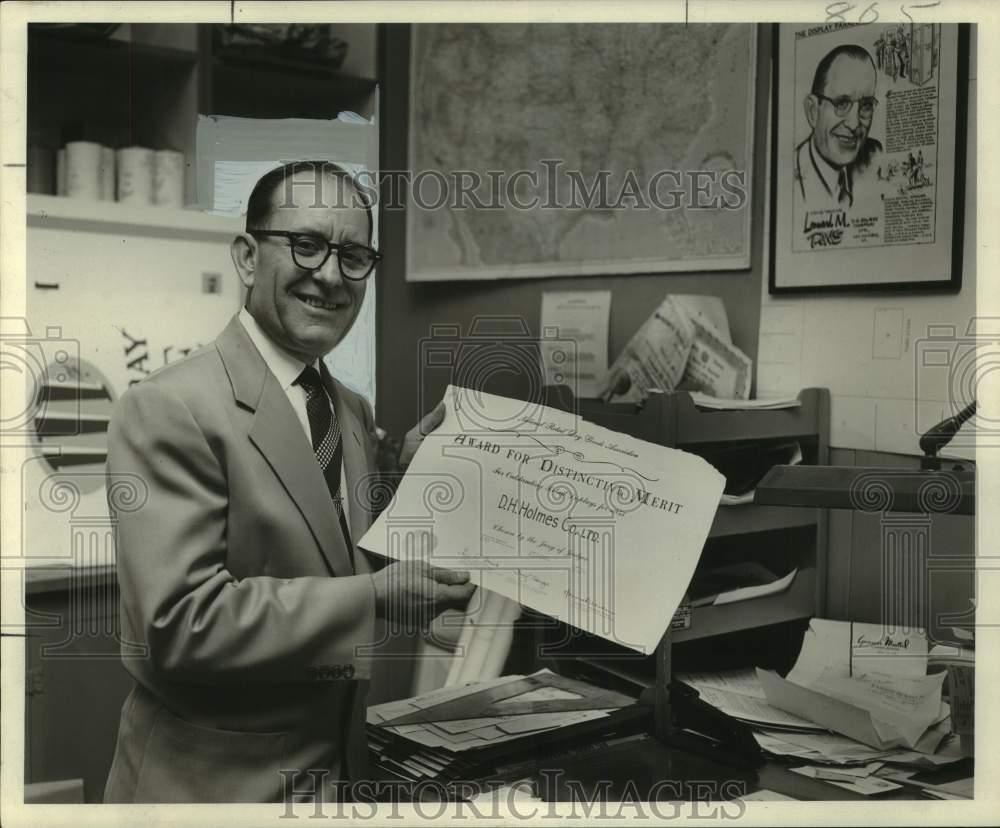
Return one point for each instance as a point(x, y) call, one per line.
point(310, 252)
point(843, 103)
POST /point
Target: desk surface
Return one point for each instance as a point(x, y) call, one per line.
point(645, 769)
point(668, 773)
point(649, 770)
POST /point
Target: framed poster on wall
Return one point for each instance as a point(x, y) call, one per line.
point(868, 157)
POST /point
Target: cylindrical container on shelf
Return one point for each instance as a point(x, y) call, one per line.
point(83, 161)
point(41, 172)
point(107, 174)
point(61, 171)
point(168, 178)
point(135, 175)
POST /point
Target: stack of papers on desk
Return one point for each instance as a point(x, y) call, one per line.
point(864, 682)
point(832, 749)
point(856, 695)
point(446, 748)
point(859, 780)
point(957, 783)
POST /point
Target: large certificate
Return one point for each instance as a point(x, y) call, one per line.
point(590, 526)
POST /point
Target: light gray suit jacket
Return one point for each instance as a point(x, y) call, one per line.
point(236, 579)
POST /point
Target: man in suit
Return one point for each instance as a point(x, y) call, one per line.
point(834, 160)
point(239, 572)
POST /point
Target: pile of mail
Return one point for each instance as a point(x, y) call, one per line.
point(858, 694)
point(867, 682)
point(468, 731)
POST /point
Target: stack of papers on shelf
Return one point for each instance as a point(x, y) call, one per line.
point(432, 736)
point(745, 466)
point(754, 579)
point(738, 693)
point(865, 682)
point(703, 400)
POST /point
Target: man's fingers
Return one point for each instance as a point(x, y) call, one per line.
point(432, 420)
point(449, 576)
point(454, 595)
point(418, 565)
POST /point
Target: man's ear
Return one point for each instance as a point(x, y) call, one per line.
point(811, 106)
point(244, 252)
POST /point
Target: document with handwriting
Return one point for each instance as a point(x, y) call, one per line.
point(592, 527)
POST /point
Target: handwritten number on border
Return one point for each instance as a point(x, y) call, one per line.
point(837, 12)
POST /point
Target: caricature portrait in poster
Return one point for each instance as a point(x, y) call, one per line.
point(865, 164)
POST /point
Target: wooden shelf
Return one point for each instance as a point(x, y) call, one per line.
point(798, 601)
point(259, 90)
point(58, 53)
point(704, 425)
point(748, 518)
point(147, 85)
point(624, 670)
point(248, 56)
point(674, 420)
point(113, 217)
point(752, 532)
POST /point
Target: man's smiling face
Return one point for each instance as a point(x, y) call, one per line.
point(307, 312)
point(839, 138)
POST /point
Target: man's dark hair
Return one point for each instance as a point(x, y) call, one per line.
point(823, 70)
point(260, 206)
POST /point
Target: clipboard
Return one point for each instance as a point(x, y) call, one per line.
point(486, 703)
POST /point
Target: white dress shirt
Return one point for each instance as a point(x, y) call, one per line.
point(286, 370)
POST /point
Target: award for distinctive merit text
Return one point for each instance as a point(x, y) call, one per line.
point(590, 526)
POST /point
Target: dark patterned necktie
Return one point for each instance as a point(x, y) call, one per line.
point(326, 442)
point(844, 193)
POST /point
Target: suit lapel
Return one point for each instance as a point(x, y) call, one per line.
point(277, 434)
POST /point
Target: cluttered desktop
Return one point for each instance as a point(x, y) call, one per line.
point(749, 687)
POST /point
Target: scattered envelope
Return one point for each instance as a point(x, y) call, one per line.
point(766, 795)
point(867, 785)
point(845, 717)
point(848, 774)
point(900, 706)
point(830, 748)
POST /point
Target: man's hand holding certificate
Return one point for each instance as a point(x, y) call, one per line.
point(590, 526)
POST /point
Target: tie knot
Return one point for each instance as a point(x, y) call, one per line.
point(309, 379)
